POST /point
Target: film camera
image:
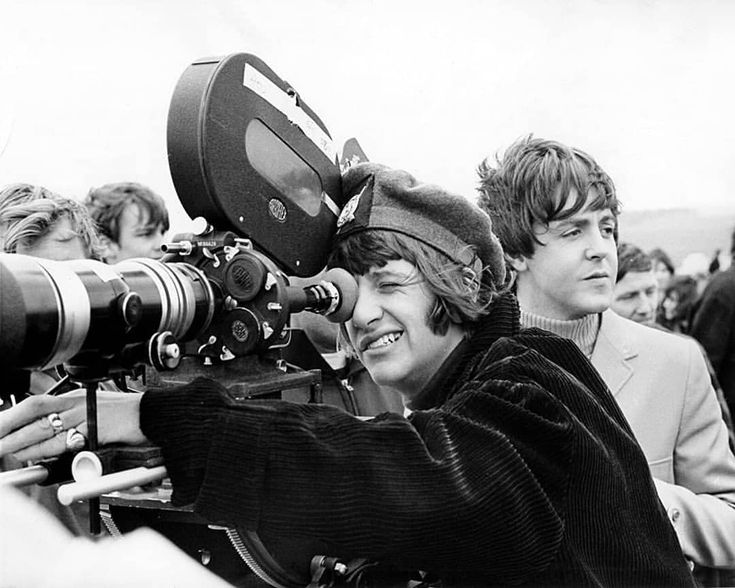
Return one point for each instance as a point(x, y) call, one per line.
point(251, 158)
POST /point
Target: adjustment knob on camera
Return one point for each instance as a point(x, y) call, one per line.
point(164, 352)
point(244, 277)
point(241, 332)
point(131, 308)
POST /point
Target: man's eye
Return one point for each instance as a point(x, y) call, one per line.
point(608, 231)
point(572, 233)
point(388, 286)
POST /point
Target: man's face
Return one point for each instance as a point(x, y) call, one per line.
point(571, 274)
point(635, 296)
point(138, 238)
point(389, 328)
point(61, 243)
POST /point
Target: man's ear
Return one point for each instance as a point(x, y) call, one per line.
point(519, 264)
point(108, 249)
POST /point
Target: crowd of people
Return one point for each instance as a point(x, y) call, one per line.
point(553, 405)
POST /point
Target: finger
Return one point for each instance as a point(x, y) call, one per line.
point(41, 429)
point(35, 432)
point(31, 409)
point(52, 447)
point(30, 426)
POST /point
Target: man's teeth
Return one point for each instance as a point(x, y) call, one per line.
point(384, 340)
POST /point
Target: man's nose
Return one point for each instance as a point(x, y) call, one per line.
point(596, 245)
point(367, 308)
point(650, 303)
point(643, 305)
point(156, 247)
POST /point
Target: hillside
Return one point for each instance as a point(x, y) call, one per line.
point(679, 231)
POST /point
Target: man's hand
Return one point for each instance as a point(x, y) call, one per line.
point(38, 427)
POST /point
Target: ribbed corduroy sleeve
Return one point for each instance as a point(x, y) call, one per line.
point(374, 488)
point(182, 422)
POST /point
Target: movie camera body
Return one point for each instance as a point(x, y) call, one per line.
point(248, 156)
point(251, 158)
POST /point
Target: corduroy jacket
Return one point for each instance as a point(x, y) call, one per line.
point(515, 467)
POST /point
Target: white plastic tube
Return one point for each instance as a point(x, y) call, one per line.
point(94, 487)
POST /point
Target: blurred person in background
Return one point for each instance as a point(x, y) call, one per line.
point(663, 267)
point(697, 266)
point(713, 325)
point(635, 295)
point(35, 221)
point(131, 219)
point(677, 302)
point(664, 270)
point(38, 222)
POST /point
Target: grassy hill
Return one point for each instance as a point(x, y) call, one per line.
point(679, 231)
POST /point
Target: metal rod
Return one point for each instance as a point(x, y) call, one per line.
point(95, 524)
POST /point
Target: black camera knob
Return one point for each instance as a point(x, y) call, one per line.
point(131, 308)
point(245, 277)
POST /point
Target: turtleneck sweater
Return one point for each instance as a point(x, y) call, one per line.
point(582, 331)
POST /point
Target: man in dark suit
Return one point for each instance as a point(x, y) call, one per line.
point(713, 325)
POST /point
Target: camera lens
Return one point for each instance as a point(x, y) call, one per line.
point(175, 297)
point(51, 311)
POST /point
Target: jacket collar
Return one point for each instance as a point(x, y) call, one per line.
point(615, 347)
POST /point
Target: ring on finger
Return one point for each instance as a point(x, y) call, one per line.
point(75, 440)
point(55, 421)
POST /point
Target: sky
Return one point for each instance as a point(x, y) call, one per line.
point(646, 87)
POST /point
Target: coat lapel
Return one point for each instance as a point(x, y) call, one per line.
point(613, 351)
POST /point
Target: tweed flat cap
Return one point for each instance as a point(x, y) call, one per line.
point(393, 200)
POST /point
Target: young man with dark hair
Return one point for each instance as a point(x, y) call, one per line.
point(131, 219)
point(635, 295)
point(515, 465)
point(556, 213)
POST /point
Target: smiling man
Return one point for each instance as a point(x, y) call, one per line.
point(515, 465)
point(555, 211)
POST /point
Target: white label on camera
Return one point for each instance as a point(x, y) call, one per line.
point(270, 92)
point(104, 272)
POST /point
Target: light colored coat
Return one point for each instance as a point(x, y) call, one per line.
point(661, 383)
